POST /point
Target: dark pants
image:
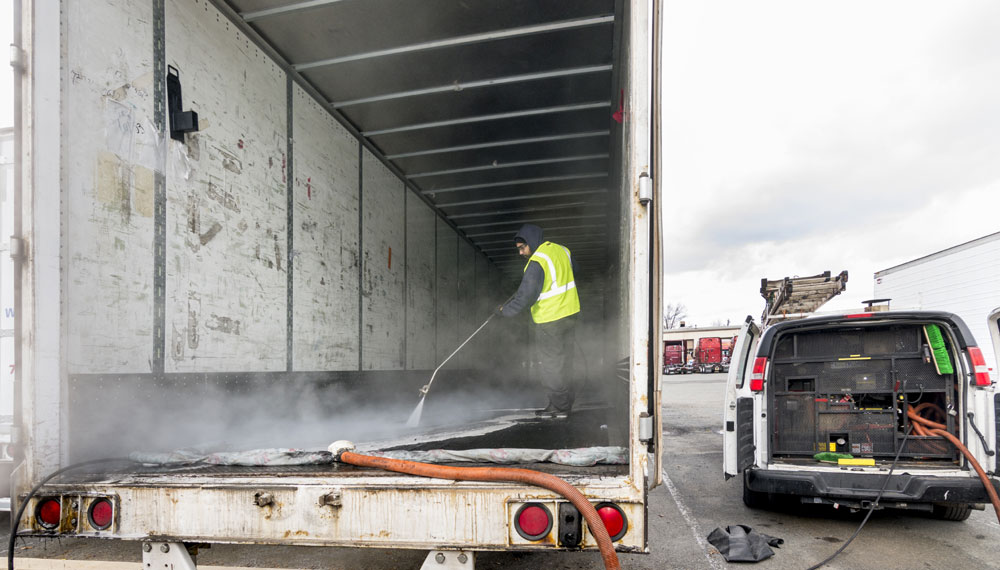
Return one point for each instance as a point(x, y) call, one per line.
point(555, 342)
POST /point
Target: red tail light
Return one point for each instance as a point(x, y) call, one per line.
point(49, 513)
point(757, 375)
point(614, 519)
point(533, 521)
point(860, 316)
point(101, 514)
point(980, 371)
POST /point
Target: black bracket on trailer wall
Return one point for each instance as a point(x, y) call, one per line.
point(180, 121)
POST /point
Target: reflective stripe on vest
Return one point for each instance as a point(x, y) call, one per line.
point(559, 297)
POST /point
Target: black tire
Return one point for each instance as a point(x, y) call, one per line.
point(754, 499)
point(952, 512)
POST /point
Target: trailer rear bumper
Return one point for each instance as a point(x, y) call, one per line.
point(364, 510)
point(902, 487)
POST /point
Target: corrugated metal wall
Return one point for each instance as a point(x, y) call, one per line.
point(964, 280)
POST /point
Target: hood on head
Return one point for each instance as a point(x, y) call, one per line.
point(531, 235)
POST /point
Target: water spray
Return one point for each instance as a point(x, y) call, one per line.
point(414, 419)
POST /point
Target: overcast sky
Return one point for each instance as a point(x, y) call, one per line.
point(811, 136)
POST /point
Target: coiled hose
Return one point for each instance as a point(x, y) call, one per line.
point(496, 474)
point(925, 427)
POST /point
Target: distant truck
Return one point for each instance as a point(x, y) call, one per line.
point(673, 357)
point(708, 355)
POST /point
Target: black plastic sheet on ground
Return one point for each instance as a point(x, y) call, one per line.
point(740, 543)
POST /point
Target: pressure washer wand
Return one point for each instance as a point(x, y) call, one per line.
point(415, 416)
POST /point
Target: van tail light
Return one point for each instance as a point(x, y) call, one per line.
point(533, 521)
point(49, 513)
point(981, 372)
point(614, 520)
point(757, 375)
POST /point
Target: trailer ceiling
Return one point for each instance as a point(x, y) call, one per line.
point(498, 112)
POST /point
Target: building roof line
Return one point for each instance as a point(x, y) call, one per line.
point(938, 254)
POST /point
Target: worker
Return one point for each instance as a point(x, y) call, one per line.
point(548, 286)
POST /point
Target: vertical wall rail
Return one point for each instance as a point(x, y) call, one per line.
point(159, 191)
point(290, 228)
point(361, 255)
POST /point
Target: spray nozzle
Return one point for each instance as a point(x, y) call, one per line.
point(425, 389)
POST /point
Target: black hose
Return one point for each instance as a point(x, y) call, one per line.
point(16, 521)
point(874, 504)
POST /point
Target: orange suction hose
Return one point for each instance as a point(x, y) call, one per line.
point(528, 476)
point(924, 426)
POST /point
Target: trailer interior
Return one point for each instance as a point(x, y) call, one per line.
point(468, 119)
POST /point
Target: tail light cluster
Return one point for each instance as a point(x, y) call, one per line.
point(62, 513)
point(49, 513)
point(534, 522)
point(980, 371)
point(757, 374)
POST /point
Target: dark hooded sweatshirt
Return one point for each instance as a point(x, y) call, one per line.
point(534, 275)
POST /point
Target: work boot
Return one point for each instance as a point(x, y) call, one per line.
point(553, 412)
point(546, 411)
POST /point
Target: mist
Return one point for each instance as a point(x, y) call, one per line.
point(486, 401)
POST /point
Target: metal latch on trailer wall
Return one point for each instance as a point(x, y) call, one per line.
point(645, 427)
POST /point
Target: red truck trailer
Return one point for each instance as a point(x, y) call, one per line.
point(673, 356)
point(708, 355)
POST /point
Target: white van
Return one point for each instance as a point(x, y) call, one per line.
point(879, 387)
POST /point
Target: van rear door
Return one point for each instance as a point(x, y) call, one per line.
point(986, 403)
point(738, 445)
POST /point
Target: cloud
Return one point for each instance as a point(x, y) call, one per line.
point(803, 137)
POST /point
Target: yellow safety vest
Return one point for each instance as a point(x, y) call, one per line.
point(559, 297)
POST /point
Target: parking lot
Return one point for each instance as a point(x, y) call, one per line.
point(694, 500)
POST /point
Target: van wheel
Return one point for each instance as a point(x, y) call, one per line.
point(754, 499)
point(952, 512)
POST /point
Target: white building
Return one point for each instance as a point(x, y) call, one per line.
point(964, 280)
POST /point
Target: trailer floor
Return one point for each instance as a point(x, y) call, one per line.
point(586, 427)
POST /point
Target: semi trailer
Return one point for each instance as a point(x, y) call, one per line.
point(245, 229)
point(708, 355)
point(673, 356)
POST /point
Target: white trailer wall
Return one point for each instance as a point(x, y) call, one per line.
point(325, 264)
point(383, 329)
point(466, 300)
point(420, 279)
point(6, 293)
point(227, 256)
point(227, 211)
point(964, 280)
point(111, 151)
point(446, 267)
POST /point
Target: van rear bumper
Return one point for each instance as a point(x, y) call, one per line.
point(864, 486)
